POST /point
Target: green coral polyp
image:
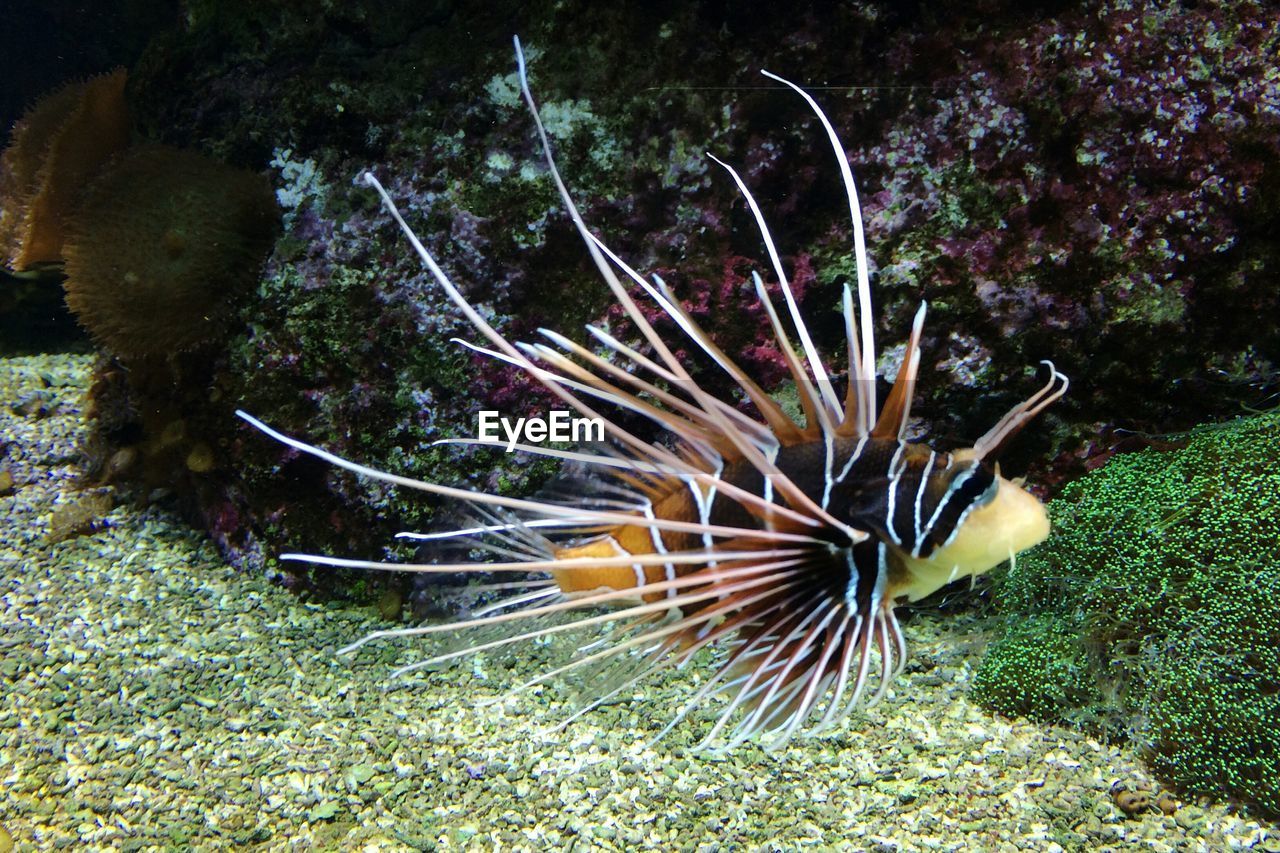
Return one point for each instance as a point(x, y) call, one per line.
point(1043, 669)
point(1224, 671)
point(1157, 598)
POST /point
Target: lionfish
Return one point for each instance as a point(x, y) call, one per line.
point(784, 546)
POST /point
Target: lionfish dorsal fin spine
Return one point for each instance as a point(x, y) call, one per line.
point(892, 422)
point(867, 373)
point(508, 351)
point(606, 271)
point(806, 342)
point(713, 407)
point(591, 385)
point(689, 411)
point(816, 418)
point(802, 503)
point(798, 501)
point(784, 486)
point(594, 248)
point(694, 427)
point(857, 405)
point(784, 429)
point(779, 423)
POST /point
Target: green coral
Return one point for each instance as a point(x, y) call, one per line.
point(1043, 668)
point(1154, 610)
point(1213, 713)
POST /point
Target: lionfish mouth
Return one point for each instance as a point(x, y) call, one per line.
point(784, 546)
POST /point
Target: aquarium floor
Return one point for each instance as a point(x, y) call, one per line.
point(155, 699)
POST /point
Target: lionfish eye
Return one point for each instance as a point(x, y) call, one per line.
point(988, 494)
point(976, 483)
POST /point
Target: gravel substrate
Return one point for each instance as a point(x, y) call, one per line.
point(155, 699)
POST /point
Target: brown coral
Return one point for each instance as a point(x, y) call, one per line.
point(57, 148)
point(163, 243)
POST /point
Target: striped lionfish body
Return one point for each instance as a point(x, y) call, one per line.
point(784, 546)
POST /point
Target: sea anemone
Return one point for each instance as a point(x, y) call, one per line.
point(56, 150)
point(162, 247)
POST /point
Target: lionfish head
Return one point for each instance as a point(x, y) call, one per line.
point(995, 520)
point(781, 543)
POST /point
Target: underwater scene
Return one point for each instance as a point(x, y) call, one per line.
point(673, 426)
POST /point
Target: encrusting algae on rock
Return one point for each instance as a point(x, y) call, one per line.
point(783, 546)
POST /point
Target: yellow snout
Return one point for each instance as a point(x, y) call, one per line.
point(1011, 522)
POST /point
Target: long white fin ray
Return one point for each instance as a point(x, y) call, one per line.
point(868, 372)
